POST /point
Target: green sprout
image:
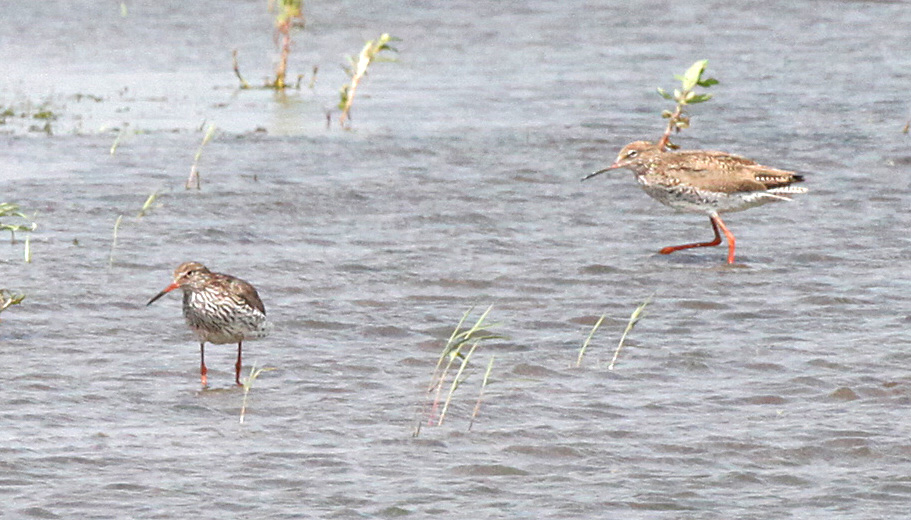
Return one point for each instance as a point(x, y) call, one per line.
point(357, 69)
point(477, 406)
point(248, 385)
point(147, 206)
point(9, 298)
point(684, 96)
point(588, 340)
point(633, 320)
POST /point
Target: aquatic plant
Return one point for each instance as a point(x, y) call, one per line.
point(248, 385)
point(357, 69)
point(22, 222)
point(588, 340)
point(9, 298)
point(194, 170)
point(120, 136)
point(684, 96)
point(453, 350)
point(477, 406)
point(288, 15)
point(633, 320)
point(147, 206)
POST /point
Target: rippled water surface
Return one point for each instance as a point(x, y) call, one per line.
point(775, 388)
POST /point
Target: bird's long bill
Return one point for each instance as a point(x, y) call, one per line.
point(611, 167)
point(162, 293)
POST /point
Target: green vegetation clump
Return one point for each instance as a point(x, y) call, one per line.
point(458, 342)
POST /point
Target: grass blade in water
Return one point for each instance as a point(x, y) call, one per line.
point(633, 320)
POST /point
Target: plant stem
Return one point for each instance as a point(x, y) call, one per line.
point(671, 126)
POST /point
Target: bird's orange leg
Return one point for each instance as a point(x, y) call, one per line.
point(237, 365)
point(202, 365)
point(727, 234)
point(670, 249)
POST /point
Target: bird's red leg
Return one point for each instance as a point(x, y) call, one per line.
point(670, 249)
point(237, 365)
point(202, 365)
point(727, 233)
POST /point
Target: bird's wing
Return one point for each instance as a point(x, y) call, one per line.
point(727, 173)
point(247, 294)
point(734, 180)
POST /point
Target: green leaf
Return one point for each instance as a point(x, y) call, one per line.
point(699, 98)
point(663, 93)
point(693, 75)
point(707, 82)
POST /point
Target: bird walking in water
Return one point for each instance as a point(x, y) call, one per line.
point(219, 309)
point(706, 182)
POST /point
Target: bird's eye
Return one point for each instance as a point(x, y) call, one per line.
point(190, 273)
point(632, 153)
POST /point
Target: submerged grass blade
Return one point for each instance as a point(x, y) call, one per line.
point(248, 385)
point(588, 340)
point(457, 342)
point(477, 405)
point(633, 320)
point(456, 381)
point(120, 134)
point(455, 332)
point(148, 205)
point(194, 170)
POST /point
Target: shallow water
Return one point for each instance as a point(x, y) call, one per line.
point(776, 388)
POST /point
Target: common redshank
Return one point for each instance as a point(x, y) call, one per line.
point(703, 181)
point(219, 309)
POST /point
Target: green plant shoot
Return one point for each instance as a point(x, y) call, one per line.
point(357, 69)
point(684, 96)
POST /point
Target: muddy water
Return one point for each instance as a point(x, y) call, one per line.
point(777, 388)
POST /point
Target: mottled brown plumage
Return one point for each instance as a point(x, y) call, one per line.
point(218, 308)
point(704, 181)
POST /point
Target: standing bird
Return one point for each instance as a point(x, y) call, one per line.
point(219, 309)
point(703, 181)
